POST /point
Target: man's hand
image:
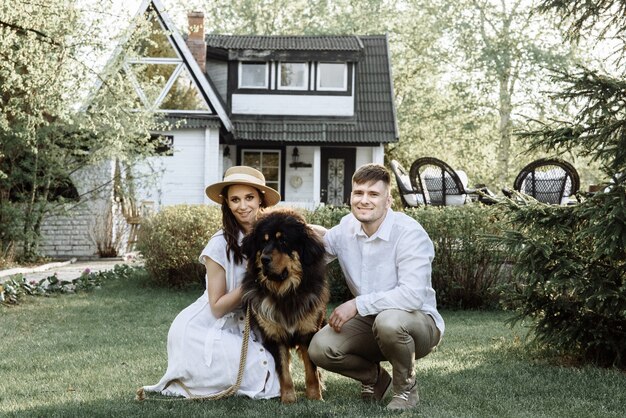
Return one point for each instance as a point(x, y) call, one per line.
point(342, 314)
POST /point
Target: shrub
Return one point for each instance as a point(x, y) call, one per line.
point(570, 276)
point(172, 239)
point(465, 270)
point(467, 267)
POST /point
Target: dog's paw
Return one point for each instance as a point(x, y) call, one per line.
point(288, 397)
point(314, 394)
point(140, 395)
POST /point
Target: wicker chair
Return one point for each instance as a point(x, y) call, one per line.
point(549, 180)
point(409, 197)
point(437, 183)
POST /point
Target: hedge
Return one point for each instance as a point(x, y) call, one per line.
point(466, 268)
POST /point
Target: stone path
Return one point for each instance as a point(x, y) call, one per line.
point(67, 270)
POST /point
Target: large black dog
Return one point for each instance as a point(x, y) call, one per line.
point(286, 289)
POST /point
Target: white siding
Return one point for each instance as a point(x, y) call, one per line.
point(182, 177)
point(304, 193)
point(292, 105)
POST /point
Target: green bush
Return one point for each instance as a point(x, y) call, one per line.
point(467, 267)
point(570, 276)
point(171, 240)
point(465, 270)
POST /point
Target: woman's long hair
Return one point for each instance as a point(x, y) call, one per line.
point(231, 227)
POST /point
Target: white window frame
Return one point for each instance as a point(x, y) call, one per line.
point(265, 79)
point(319, 77)
point(305, 83)
point(262, 151)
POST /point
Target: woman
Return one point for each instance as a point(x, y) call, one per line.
point(204, 341)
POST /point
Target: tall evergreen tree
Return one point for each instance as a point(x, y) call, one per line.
point(571, 261)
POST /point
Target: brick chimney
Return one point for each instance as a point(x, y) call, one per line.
point(195, 40)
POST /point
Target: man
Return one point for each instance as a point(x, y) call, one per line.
point(386, 259)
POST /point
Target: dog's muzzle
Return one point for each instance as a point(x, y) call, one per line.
point(266, 262)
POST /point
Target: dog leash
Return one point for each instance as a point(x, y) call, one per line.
point(141, 394)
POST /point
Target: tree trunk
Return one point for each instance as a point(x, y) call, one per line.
point(27, 244)
point(504, 130)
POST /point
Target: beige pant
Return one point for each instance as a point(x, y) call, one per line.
point(394, 335)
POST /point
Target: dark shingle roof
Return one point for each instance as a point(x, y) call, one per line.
point(374, 121)
point(191, 121)
point(285, 43)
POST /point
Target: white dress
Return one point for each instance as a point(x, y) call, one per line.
point(204, 352)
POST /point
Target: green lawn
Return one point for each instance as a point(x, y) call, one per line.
point(85, 355)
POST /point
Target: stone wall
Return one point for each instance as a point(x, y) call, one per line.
point(86, 228)
point(66, 235)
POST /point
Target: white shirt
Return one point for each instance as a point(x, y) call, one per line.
point(389, 270)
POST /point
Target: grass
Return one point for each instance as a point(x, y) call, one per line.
point(85, 355)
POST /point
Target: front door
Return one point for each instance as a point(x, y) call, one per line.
point(337, 168)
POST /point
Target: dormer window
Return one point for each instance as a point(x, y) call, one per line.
point(332, 76)
point(253, 75)
point(293, 76)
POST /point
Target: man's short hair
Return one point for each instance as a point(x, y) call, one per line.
point(371, 173)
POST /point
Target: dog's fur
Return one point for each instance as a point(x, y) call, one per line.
point(285, 286)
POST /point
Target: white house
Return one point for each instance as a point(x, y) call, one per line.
point(305, 110)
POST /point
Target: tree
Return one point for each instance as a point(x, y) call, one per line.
point(571, 261)
point(500, 51)
point(46, 68)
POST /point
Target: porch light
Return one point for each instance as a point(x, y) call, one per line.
point(295, 159)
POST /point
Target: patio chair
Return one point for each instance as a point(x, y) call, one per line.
point(438, 183)
point(409, 197)
point(549, 180)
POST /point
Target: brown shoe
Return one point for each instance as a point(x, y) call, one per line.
point(377, 391)
point(405, 400)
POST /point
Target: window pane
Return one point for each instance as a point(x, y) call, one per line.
point(267, 162)
point(270, 173)
point(270, 159)
point(293, 75)
point(332, 76)
point(253, 75)
point(252, 159)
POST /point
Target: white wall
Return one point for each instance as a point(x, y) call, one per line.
point(304, 193)
point(292, 105)
point(182, 177)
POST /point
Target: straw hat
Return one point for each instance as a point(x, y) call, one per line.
point(247, 176)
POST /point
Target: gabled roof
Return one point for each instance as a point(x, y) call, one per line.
point(214, 98)
point(375, 117)
point(190, 63)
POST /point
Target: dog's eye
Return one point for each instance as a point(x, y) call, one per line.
point(281, 238)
